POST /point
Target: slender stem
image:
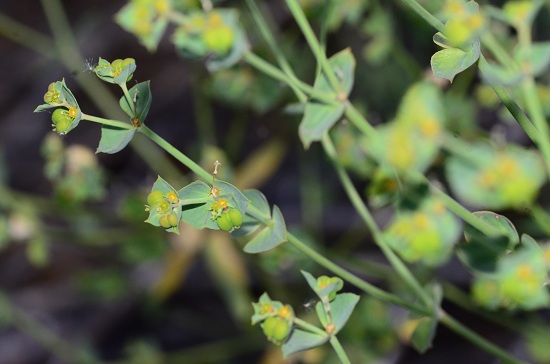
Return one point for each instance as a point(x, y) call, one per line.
point(115, 123)
point(358, 120)
point(258, 215)
point(198, 170)
point(363, 211)
point(339, 350)
point(534, 107)
point(353, 279)
point(456, 207)
point(314, 44)
point(309, 327)
point(128, 97)
point(277, 74)
point(270, 40)
point(425, 14)
point(477, 339)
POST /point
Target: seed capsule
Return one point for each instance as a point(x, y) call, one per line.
point(230, 220)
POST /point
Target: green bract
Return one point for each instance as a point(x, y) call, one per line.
point(217, 34)
point(146, 19)
point(67, 115)
point(119, 71)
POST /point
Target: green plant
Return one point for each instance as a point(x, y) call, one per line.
point(398, 158)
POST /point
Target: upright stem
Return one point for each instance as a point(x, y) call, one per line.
point(363, 211)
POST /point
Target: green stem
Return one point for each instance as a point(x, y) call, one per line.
point(277, 74)
point(198, 170)
point(309, 327)
point(359, 121)
point(109, 122)
point(314, 44)
point(258, 215)
point(129, 98)
point(473, 337)
point(425, 14)
point(534, 108)
point(353, 279)
point(456, 207)
point(270, 40)
point(363, 211)
point(339, 350)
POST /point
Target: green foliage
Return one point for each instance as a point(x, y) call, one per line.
point(320, 117)
point(407, 160)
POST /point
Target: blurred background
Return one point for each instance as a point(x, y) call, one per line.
point(84, 279)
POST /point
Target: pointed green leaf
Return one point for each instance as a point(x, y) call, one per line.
point(342, 307)
point(268, 237)
point(114, 139)
point(318, 117)
point(300, 340)
point(143, 98)
point(449, 62)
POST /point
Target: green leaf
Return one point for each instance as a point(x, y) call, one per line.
point(318, 117)
point(268, 237)
point(341, 309)
point(234, 196)
point(114, 139)
point(143, 97)
point(197, 215)
point(449, 62)
point(482, 253)
point(301, 340)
